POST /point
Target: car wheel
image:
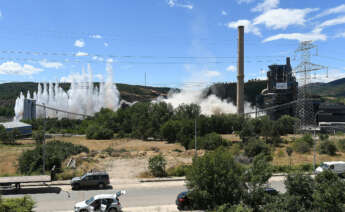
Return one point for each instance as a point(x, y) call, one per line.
point(83, 210)
point(101, 186)
point(112, 210)
point(76, 187)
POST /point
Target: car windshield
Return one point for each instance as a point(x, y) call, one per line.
point(82, 177)
point(89, 201)
point(324, 166)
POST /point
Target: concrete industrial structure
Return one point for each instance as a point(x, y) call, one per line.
point(29, 109)
point(240, 71)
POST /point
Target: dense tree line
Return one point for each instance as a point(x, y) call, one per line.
point(158, 121)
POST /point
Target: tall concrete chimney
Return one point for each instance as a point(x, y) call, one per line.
point(240, 71)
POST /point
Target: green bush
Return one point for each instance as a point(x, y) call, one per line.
point(327, 147)
point(341, 145)
point(286, 168)
point(178, 171)
point(209, 142)
point(98, 132)
point(301, 146)
point(56, 151)
point(157, 166)
point(22, 204)
point(255, 147)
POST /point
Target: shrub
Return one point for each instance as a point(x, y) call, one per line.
point(178, 171)
point(56, 151)
point(209, 142)
point(256, 147)
point(301, 146)
point(99, 132)
point(341, 145)
point(327, 147)
point(38, 136)
point(157, 165)
point(22, 204)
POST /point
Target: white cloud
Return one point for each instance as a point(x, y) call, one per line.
point(266, 5)
point(314, 36)
point(224, 12)
point(210, 74)
point(46, 64)
point(96, 36)
point(79, 43)
point(101, 59)
point(175, 3)
point(333, 74)
point(244, 1)
point(332, 22)
point(334, 10)
point(282, 18)
point(248, 26)
point(14, 68)
point(231, 68)
point(106, 44)
point(110, 60)
point(340, 35)
point(81, 54)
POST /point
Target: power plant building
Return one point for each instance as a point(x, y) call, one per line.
point(23, 128)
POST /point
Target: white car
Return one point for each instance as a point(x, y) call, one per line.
point(101, 203)
point(337, 167)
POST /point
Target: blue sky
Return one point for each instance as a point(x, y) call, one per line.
point(176, 42)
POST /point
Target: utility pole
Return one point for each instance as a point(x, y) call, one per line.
point(196, 153)
point(44, 140)
point(240, 72)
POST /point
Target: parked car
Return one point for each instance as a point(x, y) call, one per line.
point(337, 167)
point(271, 191)
point(99, 179)
point(183, 202)
point(101, 203)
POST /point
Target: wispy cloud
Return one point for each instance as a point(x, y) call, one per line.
point(340, 35)
point(282, 18)
point(224, 13)
point(79, 43)
point(314, 36)
point(332, 22)
point(248, 26)
point(47, 64)
point(106, 44)
point(81, 54)
point(176, 3)
point(101, 59)
point(231, 68)
point(13, 68)
point(266, 5)
point(96, 36)
point(244, 1)
point(334, 10)
point(211, 74)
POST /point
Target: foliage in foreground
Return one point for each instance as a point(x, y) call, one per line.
point(22, 204)
point(157, 166)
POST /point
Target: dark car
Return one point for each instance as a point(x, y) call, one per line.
point(99, 179)
point(271, 191)
point(182, 201)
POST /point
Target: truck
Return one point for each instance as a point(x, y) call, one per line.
point(18, 180)
point(337, 167)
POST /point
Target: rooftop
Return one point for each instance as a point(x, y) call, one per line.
point(15, 124)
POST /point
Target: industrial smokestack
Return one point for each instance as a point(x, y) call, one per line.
point(240, 71)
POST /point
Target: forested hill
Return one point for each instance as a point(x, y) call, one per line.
point(10, 91)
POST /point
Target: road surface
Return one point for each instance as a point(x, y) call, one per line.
point(142, 197)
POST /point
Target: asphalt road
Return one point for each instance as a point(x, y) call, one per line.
point(150, 195)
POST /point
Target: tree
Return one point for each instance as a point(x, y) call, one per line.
point(301, 188)
point(329, 194)
point(38, 136)
point(289, 151)
point(157, 165)
point(286, 124)
point(215, 179)
point(256, 147)
point(247, 131)
point(327, 147)
point(169, 130)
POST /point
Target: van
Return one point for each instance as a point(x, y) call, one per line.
point(337, 167)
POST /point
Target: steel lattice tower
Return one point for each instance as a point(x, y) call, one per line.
point(304, 105)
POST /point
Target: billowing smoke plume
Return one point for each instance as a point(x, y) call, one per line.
point(209, 105)
point(82, 97)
